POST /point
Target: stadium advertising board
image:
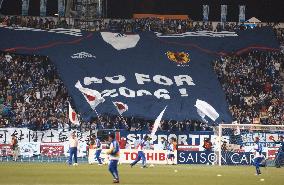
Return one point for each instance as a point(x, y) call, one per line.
point(54, 143)
point(186, 140)
point(29, 149)
point(52, 149)
point(5, 150)
point(128, 156)
point(203, 157)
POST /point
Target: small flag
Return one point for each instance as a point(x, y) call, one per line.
point(157, 122)
point(73, 116)
point(93, 97)
point(120, 107)
point(205, 109)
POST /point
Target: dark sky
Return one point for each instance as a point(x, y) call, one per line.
point(265, 10)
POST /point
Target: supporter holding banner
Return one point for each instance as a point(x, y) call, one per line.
point(43, 7)
point(25, 7)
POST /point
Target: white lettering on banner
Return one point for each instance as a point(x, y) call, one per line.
point(119, 79)
point(82, 55)
point(127, 92)
point(212, 157)
point(25, 135)
point(233, 158)
point(193, 139)
point(131, 138)
point(162, 80)
point(181, 79)
point(183, 92)
point(143, 93)
point(160, 138)
point(189, 158)
point(141, 78)
point(181, 157)
point(200, 33)
point(110, 92)
point(182, 139)
point(154, 138)
point(172, 136)
point(203, 158)
point(244, 160)
point(162, 93)
point(202, 137)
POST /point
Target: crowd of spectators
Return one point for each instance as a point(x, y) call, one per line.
point(253, 88)
point(169, 26)
point(280, 35)
point(135, 124)
point(31, 93)
point(33, 22)
point(166, 26)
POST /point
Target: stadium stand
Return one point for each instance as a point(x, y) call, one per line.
point(33, 96)
point(129, 25)
point(253, 88)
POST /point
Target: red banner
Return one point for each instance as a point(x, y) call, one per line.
point(5, 150)
point(272, 153)
point(52, 149)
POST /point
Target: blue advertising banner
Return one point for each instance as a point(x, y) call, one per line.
point(147, 71)
point(203, 157)
point(183, 138)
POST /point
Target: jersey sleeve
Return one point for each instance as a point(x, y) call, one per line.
point(34, 41)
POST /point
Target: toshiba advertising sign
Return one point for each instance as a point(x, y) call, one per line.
point(128, 156)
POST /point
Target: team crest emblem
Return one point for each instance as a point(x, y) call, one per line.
point(180, 58)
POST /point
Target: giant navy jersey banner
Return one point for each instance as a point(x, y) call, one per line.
point(146, 71)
